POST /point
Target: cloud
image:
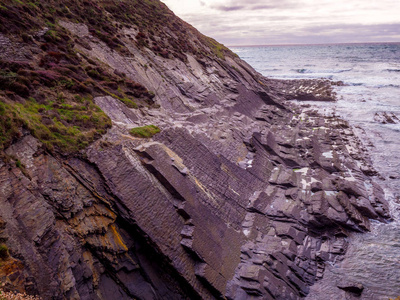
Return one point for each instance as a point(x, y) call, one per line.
point(288, 21)
point(227, 8)
point(351, 33)
point(233, 5)
point(257, 7)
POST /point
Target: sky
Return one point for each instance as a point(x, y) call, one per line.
point(274, 22)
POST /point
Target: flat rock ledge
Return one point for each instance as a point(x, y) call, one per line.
point(307, 89)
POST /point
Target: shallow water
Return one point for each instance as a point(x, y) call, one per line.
point(372, 260)
point(371, 74)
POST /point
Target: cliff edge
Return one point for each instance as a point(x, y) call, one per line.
point(143, 160)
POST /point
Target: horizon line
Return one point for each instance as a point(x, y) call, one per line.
point(312, 44)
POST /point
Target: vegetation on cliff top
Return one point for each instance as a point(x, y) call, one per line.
point(50, 91)
point(151, 18)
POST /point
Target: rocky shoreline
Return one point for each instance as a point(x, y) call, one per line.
point(242, 194)
point(306, 89)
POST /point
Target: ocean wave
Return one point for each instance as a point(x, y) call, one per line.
point(387, 85)
point(376, 86)
point(302, 71)
point(270, 70)
point(355, 83)
point(344, 70)
point(393, 70)
point(395, 129)
point(308, 71)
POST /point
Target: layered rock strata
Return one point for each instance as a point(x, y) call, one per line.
point(242, 194)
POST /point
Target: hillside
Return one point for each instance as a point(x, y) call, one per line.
point(142, 160)
point(44, 67)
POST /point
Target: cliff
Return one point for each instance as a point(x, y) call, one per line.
point(143, 160)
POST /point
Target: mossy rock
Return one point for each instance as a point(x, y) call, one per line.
point(145, 132)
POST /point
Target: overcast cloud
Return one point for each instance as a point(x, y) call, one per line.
point(257, 22)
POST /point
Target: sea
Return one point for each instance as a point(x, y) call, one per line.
point(371, 89)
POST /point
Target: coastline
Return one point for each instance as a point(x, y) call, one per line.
point(372, 112)
point(212, 184)
point(315, 44)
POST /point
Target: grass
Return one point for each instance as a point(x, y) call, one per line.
point(128, 102)
point(18, 164)
point(217, 48)
point(124, 99)
point(64, 127)
point(9, 124)
point(145, 132)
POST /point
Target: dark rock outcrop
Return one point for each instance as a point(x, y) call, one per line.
point(386, 118)
point(354, 288)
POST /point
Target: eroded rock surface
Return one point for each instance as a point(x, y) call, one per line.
point(242, 194)
point(306, 89)
point(386, 118)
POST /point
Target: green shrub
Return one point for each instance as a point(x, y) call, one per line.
point(2, 109)
point(128, 102)
point(144, 132)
